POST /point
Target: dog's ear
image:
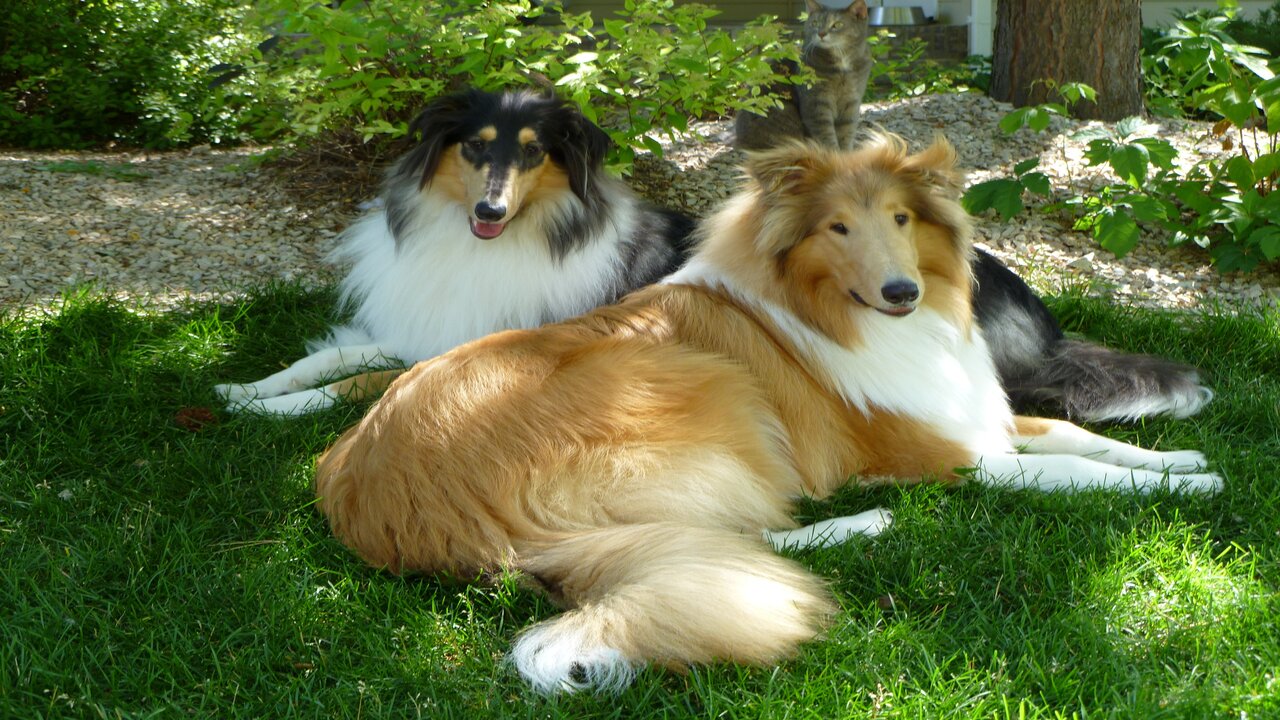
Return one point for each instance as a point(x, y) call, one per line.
point(435, 128)
point(785, 169)
point(936, 166)
point(580, 148)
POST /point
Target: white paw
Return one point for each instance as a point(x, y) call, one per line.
point(1182, 461)
point(1201, 483)
point(834, 531)
point(554, 657)
point(231, 392)
point(293, 404)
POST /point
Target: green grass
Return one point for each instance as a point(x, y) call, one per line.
point(147, 570)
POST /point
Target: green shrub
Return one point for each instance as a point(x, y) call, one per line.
point(76, 73)
point(367, 65)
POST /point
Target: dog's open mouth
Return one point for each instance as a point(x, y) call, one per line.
point(893, 311)
point(486, 230)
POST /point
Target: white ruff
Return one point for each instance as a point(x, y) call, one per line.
point(443, 286)
point(919, 365)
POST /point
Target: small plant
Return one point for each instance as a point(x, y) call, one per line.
point(1112, 214)
point(904, 71)
point(1005, 194)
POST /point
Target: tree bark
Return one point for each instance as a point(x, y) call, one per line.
point(1097, 42)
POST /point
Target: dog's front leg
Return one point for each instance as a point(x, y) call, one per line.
point(833, 531)
point(306, 373)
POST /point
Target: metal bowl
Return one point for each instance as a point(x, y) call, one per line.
point(896, 15)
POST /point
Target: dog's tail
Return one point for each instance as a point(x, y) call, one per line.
point(666, 594)
point(1095, 383)
point(1038, 365)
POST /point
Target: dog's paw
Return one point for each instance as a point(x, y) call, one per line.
point(555, 657)
point(1182, 461)
point(233, 392)
point(834, 531)
point(1199, 483)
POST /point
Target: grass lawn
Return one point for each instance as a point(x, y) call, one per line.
point(154, 566)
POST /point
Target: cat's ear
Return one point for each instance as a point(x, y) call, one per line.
point(858, 9)
point(936, 165)
point(786, 169)
point(812, 6)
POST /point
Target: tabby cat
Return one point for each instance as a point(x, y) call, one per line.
point(835, 46)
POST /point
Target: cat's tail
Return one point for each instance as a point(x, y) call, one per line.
point(662, 593)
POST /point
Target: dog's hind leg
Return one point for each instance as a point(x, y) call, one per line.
point(323, 365)
point(662, 593)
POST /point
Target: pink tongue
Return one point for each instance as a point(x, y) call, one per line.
point(487, 231)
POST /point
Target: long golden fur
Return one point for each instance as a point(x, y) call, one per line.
point(630, 461)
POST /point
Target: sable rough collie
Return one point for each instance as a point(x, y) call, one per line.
point(501, 217)
point(637, 462)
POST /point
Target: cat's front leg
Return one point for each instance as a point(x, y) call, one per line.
point(818, 113)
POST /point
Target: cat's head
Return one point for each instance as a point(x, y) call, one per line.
point(838, 31)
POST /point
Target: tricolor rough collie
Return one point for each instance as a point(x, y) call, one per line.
point(502, 216)
point(636, 463)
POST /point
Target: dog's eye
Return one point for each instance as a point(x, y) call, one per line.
point(532, 149)
point(840, 228)
point(475, 145)
point(900, 218)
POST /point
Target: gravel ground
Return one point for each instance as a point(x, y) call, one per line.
point(209, 224)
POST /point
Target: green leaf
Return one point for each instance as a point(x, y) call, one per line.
point(1117, 232)
point(1037, 183)
point(1022, 167)
point(582, 58)
point(1267, 238)
point(1038, 120)
point(1130, 164)
point(1099, 151)
point(1161, 153)
point(1003, 194)
point(1129, 126)
point(1014, 120)
point(1240, 172)
point(1146, 208)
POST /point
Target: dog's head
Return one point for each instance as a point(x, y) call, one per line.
point(871, 230)
point(496, 152)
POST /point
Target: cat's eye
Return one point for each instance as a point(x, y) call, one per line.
point(900, 218)
point(840, 228)
point(837, 25)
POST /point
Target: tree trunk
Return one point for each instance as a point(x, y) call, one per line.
point(1095, 42)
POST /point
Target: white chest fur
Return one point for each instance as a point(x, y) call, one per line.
point(442, 286)
point(919, 365)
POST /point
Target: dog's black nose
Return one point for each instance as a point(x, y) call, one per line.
point(900, 292)
point(490, 213)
